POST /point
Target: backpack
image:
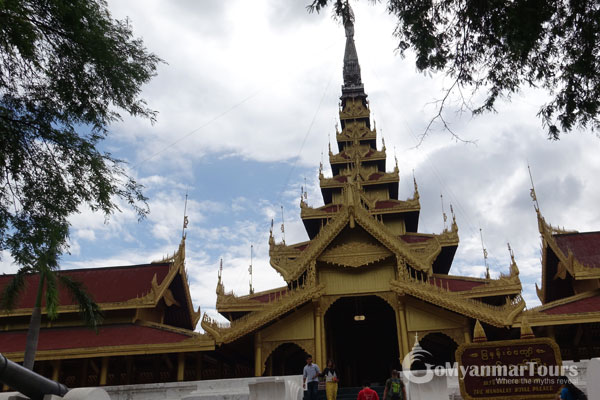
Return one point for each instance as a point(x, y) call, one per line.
point(576, 392)
point(396, 389)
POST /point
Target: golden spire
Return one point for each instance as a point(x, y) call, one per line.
point(479, 333)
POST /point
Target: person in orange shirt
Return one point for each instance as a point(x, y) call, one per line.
point(367, 393)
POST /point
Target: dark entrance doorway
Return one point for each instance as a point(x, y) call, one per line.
point(362, 339)
point(286, 359)
point(441, 349)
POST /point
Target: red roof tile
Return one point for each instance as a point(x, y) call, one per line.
point(589, 304)
point(302, 247)
point(415, 238)
point(585, 247)
point(456, 285)
point(332, 208)
point(375, 176)
point(106, 285)
point(79, 337)
point(341, 178)
point(386, 204)
point(264, 298)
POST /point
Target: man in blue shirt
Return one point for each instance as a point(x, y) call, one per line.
point(311, 378)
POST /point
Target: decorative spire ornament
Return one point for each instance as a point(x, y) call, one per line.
point(185, 218)
point(250, 267)
point(536, 205)
point(444, 216)
point(485, 255)
point(478, 333)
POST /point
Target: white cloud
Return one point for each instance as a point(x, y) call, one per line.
point(244, 82)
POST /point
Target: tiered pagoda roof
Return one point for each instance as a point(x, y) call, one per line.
point(361, 200)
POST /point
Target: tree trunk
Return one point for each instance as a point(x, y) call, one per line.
point(34, 328)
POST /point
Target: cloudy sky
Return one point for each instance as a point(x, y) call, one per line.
point(247, 100)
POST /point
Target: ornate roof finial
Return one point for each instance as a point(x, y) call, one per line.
point(536, 205)
point(479, 333)
point(250, 268)
point(444, 212)
point(514, 270)
point(282, 225)
point(220, 288)
point(305, 192)
point(185, 218)
point(352, 78)
point(485, 255)
point(416, 195)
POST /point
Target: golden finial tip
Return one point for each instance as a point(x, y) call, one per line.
point(479, 333)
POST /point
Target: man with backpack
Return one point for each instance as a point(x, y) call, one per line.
point(394, 388)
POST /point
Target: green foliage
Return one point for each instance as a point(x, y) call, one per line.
point(89, 310)
point(15, 287)
point(67, 70)
point(499, 46)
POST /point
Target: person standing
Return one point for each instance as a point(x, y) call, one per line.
point(311, 378)
point(367, 393)
point(331, 380)
point(394, 388)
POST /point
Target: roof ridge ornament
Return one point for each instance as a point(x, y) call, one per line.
point(485, 255)
point(220, 287)
point(185, 217)
point(536, 205)
point(352, 78)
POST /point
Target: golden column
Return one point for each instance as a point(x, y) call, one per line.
point(323, 344)
point(402, 329)
point(180, 367)
point(318, 336)
point(257, 354)
point(104, 371)
point(55, 370)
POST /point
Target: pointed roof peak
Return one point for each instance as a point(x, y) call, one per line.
point(352, 78)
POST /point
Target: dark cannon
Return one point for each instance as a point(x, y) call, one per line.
point(28, 382)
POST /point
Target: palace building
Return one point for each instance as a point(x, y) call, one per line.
point(364, 287)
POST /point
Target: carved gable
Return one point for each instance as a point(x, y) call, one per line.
point(354, 247)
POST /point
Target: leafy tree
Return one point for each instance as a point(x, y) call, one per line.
point(67, 71)
point(46, 268)
point(500, 46)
